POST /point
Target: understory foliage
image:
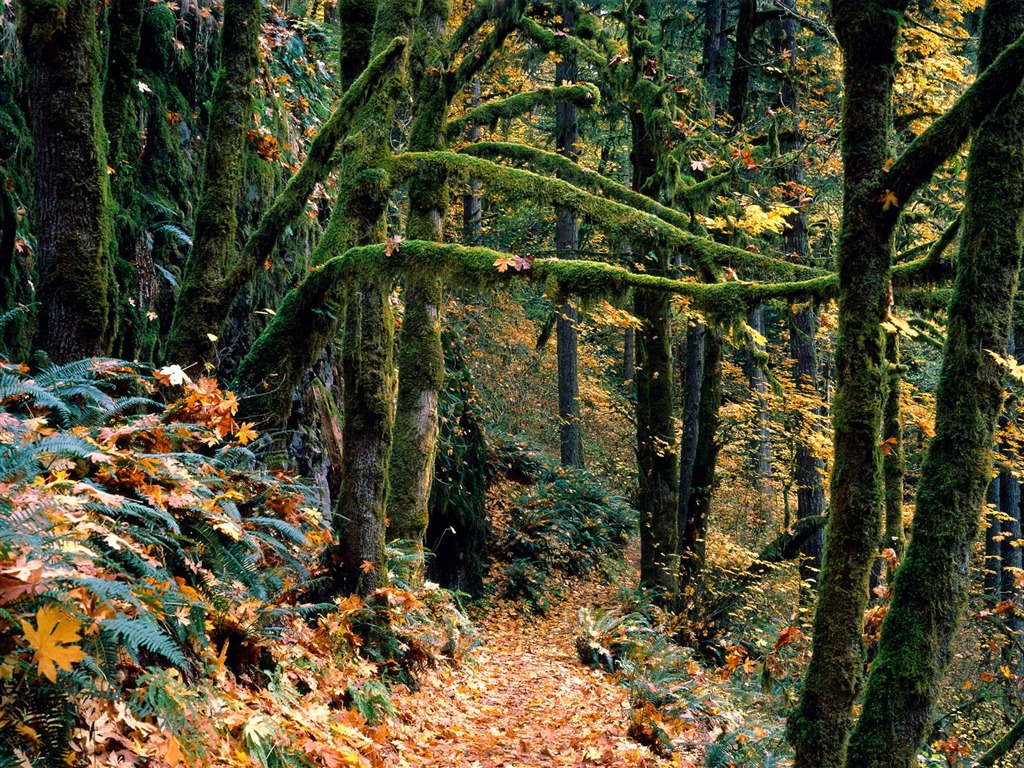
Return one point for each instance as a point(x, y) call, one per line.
point(568, 524)
point(153, 581)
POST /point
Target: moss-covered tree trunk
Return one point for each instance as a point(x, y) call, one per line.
point(420, 356)
point(819, 726)
point(894, 464)
point(930, 587)
point(692, 379)
point(808, 467)
point(368, 338)
point(657, 457)
point(566, 242)
point(214, 246)
point(120, 92)
point(72, 217)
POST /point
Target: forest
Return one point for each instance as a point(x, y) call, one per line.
point(511, 383)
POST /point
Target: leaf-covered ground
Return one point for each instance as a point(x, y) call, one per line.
point(524, 700)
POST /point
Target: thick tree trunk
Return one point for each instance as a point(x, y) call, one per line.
point(716, 21)
point(819, 726)
point(369, 387)
point(566, 242)
point(420, 356)
point(72, 218)
point(739, 79)
point(930, 587)
point(214, 247)
point(368, 340)
point(657, 460)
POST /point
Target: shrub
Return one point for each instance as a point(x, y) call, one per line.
point(568, 524)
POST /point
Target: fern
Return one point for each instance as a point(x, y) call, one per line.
point(136, 634)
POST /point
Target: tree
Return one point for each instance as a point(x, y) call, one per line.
point(73, 215)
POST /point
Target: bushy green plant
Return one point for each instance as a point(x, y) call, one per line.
point(568, 524)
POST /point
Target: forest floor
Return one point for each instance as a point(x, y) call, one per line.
point(524, 699)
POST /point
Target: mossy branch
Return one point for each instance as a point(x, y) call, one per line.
point(563, 45)
point(584, 96)
point(564, 168)
point(1004, 745)
point(290, 203)
point(472, 65)
point(624, 222)
point(948, 133)
point(479, 15)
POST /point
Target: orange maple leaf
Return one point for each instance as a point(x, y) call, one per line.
point(366, 566)
point(246, 433)
point(53, 641)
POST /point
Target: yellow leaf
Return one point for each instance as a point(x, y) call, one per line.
point(53, 641)
point(246, 432)
point(888, 200)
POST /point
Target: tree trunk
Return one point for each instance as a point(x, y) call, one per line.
point(368, 340)
point(120, 93)
point(692, 381)
point(756, 360)
point(819, 726)
point(214, 247)
point(693, 538)
point(716, 20)
point(566, 242)
point(472, 202)
point(930, 587)
point(420, 357)
point(739, 79)
point(72, 215)
point(657, 460)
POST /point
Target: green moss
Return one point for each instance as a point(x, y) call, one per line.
point(75, 280)
point(585, 96)
point(201, 302)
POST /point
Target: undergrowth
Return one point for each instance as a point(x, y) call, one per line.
point(568, 524)
point(153, 574)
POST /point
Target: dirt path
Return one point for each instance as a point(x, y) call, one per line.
point(525, 701)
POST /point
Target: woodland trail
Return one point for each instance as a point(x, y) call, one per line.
point(524, 700)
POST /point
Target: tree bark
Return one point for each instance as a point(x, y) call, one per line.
point(693, 537)
point(692, 381)
point(214, 247)
point(420, 356)
point(566, 242)
point(820, 724)
point(72, 214)
point(930, 587)
point(657, 460)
